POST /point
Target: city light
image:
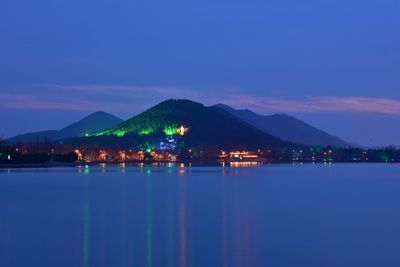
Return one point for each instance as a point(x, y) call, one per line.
point(170, 130)
point(120, 133)
point(182, 130)
point(147, 131)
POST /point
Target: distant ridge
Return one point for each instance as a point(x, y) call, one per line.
point(96, 121)
point(286, 127)
point(219, 126)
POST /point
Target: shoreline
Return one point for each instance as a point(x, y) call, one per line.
point(204, 163)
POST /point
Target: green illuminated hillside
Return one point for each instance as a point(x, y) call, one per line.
point(205, 126)
point(165, 117)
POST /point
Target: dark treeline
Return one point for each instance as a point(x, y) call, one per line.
point(333, 154)
point(45, 152)
point(41, 154)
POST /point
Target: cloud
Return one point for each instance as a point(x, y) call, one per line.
point(29, 102)
point(317, 104)
point(133, 99)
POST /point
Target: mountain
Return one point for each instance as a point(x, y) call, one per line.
point(205, 126)
point(34, 137)
point(286, 128)
point(92, 123)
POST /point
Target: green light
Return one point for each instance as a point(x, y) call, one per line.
point(102, 133)
point(87, 170)
point(146, 131)
point(384, 157)
point(87, 135)
point(170, 130)
point(119, 133)
point(148, 150)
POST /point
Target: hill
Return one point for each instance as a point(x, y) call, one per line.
point(286, 128)
point(92, 123)
point(202, 126)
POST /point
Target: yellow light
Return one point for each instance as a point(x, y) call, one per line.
point(79, 154)
point(182, 130)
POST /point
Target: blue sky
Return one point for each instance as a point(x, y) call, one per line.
point(335, 64)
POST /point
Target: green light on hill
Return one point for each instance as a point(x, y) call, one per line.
point(147, 131)
point(86, 135)
point(148, 150)
point(120, 133)
point(170, 130)
point(101, 133)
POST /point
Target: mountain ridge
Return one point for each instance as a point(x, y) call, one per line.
point(93, 122)
point(286, 127)
point(207, 124)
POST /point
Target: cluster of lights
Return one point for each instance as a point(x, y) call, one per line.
point(79, 154)
point(182, 130)
point(120, 133)
point(168, 130)
point(241, 155)
point(147, 131)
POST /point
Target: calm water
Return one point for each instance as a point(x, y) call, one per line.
point(282, 215)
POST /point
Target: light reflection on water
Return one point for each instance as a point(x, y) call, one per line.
point(179, 168)
point(181, 215)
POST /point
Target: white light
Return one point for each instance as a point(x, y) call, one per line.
point(9, 157)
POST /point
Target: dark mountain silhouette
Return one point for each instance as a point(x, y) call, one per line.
point(286, 128)
point(207, 126)
point(92, 123)
point(34, 137)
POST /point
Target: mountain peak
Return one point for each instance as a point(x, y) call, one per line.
point(100, 115)
point(178, 104)
point(93, 122)
point(231, 109)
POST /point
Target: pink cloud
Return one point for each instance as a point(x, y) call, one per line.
point(134, 99)
point(317, 104)
point(23, 101)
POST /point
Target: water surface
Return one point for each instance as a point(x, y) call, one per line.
point(276, 215)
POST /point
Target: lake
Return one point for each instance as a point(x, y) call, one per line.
point(274, 215)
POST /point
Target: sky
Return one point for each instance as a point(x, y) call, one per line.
point(332, 63)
